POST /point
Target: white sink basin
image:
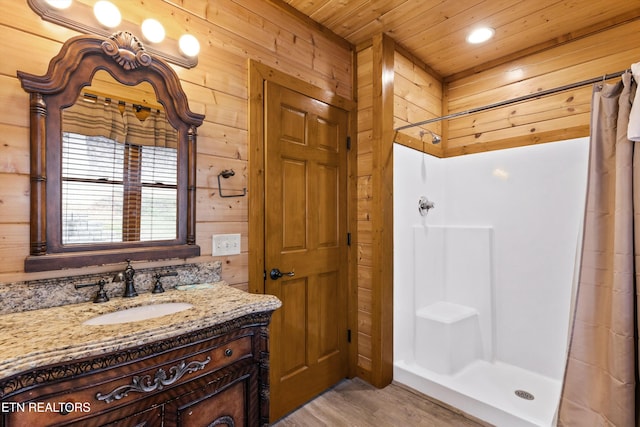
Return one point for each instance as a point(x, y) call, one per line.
point(137, 314)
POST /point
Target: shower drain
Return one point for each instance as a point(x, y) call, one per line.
point(524, 395)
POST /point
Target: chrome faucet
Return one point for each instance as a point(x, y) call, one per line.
point(424, 205)
point(127, 277)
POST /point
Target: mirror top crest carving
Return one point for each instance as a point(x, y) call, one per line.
point(81, 56)
point(124, 57)
point(126, 50)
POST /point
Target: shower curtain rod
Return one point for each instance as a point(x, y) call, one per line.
point(516, 100)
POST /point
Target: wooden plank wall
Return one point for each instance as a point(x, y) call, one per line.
point(415, 94)
point(418, 96)
point(552, 118)
point(364, 215)
point(229, 32)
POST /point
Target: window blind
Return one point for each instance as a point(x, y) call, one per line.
point(114, 192)
point(159, 193)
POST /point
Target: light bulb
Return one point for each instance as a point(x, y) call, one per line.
point(153, 30)
point(59, 4)
point(189, 45)
point(107, 14)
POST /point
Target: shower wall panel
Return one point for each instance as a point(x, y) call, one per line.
point(533, 197)
point(453, 264)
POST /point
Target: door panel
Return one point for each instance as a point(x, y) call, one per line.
point(328, 197)
point(305, 235)
point(328, 135)
point(329, 336)
point(293, 317)
point(294, 205)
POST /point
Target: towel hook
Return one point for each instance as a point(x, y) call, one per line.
point(228, 173)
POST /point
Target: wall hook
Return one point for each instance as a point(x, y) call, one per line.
point(228, 173)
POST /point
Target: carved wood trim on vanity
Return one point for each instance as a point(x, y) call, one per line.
point(248, 359)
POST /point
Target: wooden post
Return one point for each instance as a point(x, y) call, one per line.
point(382, 211)
point(38, 172)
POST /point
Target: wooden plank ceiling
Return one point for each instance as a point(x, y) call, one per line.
point(435, 30)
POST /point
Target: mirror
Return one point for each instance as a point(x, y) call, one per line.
point(119, 166)
point(113, 145)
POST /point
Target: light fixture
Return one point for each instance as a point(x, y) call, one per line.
point(189, 45)
point(59, 4)
point(85, 18)
point(152, 30)
point(107, 14)
point(480, 35)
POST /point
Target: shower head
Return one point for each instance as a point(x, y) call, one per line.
point(435, 138)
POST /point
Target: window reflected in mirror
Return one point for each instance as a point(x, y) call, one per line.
point(119, 166)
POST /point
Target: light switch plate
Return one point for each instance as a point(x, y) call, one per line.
point(226, 244)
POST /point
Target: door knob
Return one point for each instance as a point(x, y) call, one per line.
point(275, 274)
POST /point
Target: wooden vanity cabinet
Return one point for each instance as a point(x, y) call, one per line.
point(212, 377)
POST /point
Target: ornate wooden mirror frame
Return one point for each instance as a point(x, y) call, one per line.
point(124, 57)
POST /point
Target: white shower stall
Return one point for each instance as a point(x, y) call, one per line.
point(483, 284)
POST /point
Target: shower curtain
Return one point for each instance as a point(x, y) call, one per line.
point(601, 379)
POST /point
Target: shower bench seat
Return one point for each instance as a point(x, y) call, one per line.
point(447, 337)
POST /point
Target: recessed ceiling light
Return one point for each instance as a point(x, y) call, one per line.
point(153, 30)
point(480, 35)
point(107, 14)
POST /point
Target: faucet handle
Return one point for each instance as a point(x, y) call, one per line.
point(101, 296)
point(158, 289)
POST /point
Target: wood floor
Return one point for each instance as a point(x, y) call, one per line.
point(354, 403)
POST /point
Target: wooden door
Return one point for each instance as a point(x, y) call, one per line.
point(306, 239)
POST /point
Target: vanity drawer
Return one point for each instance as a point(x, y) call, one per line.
point(148, 418)
point(152, 379)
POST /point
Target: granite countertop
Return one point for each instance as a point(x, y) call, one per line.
point(37, 338)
